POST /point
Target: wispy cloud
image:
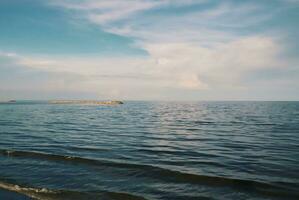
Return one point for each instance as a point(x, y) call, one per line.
point(207, 46)
point(208, 25)
point(103, 12)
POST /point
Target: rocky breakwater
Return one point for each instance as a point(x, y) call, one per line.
point(86, 102)
point(10, 101)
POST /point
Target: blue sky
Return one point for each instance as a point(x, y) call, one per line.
point(149, 49)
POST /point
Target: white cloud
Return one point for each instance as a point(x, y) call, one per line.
point(191, 81)
point(8, 54)
point(172, 65)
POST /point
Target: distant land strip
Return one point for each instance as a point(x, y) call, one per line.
point(86, 102)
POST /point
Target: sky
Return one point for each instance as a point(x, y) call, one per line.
point(184, 50)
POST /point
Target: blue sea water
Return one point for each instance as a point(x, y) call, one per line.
point(151, 150)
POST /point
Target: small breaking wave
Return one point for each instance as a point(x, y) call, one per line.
point(48, 194)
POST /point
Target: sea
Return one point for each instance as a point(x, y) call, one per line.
point(149, 150)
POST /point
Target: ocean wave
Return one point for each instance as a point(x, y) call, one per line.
point(49, 194)
point(168, 175)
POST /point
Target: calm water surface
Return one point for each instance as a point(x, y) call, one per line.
point(151, 150)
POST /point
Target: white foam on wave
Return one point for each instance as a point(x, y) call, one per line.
point(35, 193)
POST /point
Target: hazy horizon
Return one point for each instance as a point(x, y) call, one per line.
point(193, 50)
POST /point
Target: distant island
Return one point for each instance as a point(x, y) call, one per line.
point(86, 102)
